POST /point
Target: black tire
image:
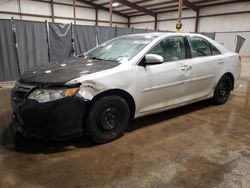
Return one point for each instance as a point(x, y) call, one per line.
point(222, 90)
point(107, 119)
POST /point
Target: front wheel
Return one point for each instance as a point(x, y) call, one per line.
point(222, 90)
point(107, 119)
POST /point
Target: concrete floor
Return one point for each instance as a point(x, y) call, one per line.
point(199, 145)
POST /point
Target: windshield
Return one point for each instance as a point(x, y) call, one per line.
point(120, 49)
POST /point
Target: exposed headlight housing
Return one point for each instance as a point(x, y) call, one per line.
point(46, 95)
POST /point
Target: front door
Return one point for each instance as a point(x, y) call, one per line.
point(166, 84)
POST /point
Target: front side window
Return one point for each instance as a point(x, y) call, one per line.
point(171, 49)
point(199, 47)
point(120, 50)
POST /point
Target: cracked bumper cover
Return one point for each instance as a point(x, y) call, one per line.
point(51, 120)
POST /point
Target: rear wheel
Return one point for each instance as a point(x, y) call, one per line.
point(108, 119)
point(222, 90)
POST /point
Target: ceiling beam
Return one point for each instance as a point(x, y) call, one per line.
point(197, 3)
point(223, 3)
point(155, 9)
point(136, 2)
point(153, 5)
point(190, 5)
point(137, 7)
point(159, 12)
point(102, 8)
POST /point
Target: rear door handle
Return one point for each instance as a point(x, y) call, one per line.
point(220, 62)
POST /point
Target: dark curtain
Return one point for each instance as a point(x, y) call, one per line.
point(150, 31)
point(136, 31)
point(8, 58)
point(32, 44)
point(123, 31)
point(84, 38)
point(105, 33)
point(60, 42)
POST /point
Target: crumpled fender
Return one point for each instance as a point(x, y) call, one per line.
point(89, 89)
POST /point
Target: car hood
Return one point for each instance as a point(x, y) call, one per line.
point(52, 73)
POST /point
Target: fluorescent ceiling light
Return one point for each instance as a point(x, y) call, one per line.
point(115, 4)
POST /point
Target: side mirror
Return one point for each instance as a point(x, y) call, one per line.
point(153, 59)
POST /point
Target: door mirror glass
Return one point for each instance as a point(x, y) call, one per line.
point(153, 59)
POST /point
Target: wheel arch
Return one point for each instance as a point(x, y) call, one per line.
point(121, 93)
point(231, 76)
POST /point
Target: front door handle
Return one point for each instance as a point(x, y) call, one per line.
point(186, 67)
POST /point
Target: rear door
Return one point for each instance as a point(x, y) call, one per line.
point(207, 63)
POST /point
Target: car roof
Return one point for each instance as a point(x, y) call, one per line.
point(160, 34)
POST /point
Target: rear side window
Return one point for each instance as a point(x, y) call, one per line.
point(170, 48)
point(215, 51)
point(199, 47)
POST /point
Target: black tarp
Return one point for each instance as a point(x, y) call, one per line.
point(84, 38)
point(60, 42)
point(105, 33)
point(123, 31)
point(8, 57)
point(32, 44)
point(136, 31)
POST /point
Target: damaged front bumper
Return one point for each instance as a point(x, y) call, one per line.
point(53, 120)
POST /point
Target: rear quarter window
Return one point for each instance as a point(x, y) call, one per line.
point(215, 51)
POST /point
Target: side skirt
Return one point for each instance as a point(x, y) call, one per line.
point(145, 113)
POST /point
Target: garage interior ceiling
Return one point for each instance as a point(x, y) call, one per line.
point(133, 8)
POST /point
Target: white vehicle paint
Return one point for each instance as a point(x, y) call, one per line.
point(167, 85)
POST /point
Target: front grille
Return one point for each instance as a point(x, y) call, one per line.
point(23, 90)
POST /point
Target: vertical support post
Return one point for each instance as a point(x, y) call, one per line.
point(48, 41)
point(179, 24)
point(128, 22)
point(96, 36)
point(72, 41)
point(96, 17)
point(156, 22)
point(20, 8)
point(197, 21)
point(52, 10)
point(115, 30)
point(110, 12)
point(74, 10)
point(13, 28)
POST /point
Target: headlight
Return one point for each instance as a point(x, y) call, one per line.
point(46, 95)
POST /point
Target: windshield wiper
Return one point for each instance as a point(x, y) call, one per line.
point(97, 58)
point(80, 55)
